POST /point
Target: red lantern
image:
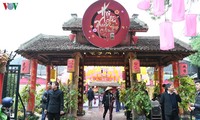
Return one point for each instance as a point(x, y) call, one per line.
point(70, 65)
point(135, 66)
point(135, 39)
point(183, 69)
point(25, 69)
point(72, 36)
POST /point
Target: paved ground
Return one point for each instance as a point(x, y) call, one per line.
point(97, 114)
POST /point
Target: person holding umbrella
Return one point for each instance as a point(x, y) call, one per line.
point(108, 100)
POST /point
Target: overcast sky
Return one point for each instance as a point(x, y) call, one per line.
point(33, 17)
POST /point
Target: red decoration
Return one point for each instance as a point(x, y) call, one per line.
point(135, 39)
point(25, 69)
point(135, 66)
point(105, 23)
point(70, 65)
point(123, 75)
point(183, 69)
point(72, 36)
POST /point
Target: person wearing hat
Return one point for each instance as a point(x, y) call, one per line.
point(196, 106)
point(108, 100)
point(169, 101)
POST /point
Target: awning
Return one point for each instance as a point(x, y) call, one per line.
point(104, 84)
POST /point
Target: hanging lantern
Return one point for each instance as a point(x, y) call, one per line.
point(183, 69)
point(166, 36)
point(135, 66)
point(144, 5)
point(25, 69)
point(178, 10)
point(191, 25)
point(72, 37)
point(155, 75)
point(52, 74)
point(135, 39)
point(70, 65)
point(158, 7)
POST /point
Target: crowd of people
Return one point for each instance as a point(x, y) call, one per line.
point(53, 102)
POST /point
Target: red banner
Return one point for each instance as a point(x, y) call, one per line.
point(25, 69)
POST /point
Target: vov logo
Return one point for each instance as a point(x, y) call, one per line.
point(10, 6)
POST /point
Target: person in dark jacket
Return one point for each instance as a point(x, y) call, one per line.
point(44, 100)
point(117, 102)
point(55, 102)
point(108, 100)
point(90, 96)
point(196, 106)
point(169, 100)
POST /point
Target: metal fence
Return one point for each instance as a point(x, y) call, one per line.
point(11, 86)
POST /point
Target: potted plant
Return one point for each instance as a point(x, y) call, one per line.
point(137, 99)
point(186, 91)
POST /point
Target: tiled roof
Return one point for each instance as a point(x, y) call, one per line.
point(62, 43)
point(51, 49)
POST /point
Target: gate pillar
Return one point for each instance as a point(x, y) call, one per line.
point(175, 73)
point(1, 86)
point(48, 69)
point(31, 100)
point(161, 77)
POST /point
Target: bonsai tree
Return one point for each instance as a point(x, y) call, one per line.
point(136, 98)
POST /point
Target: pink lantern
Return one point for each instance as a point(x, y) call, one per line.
point(144, 5)
point(178, 10)
point(135, 39)
point(166, 36)
point(72, 36)
point(70, 65)
point(190, 25)
point(158, 7)
point(135, 66)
